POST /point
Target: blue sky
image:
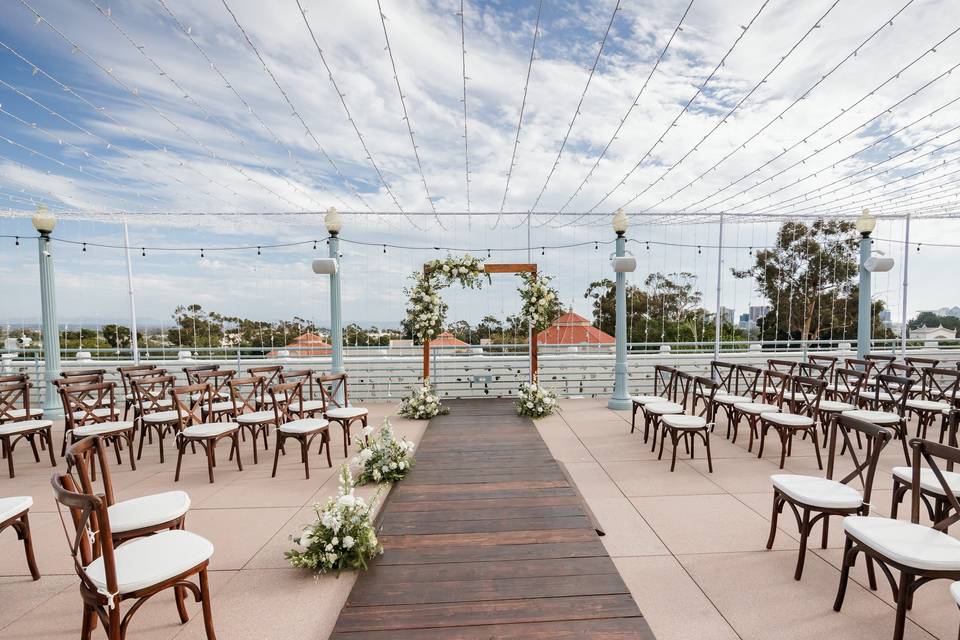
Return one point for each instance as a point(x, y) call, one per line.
point(95, 131)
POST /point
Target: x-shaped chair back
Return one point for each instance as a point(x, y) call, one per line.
point(191, 402)
point(218, 379)
point(723, 374)
point(664, 380)
point(331, 387)
point(270, 374)
point(922, 363)
point(847, 384)
point(905, 371)
point(82, 402)
point(938, 385)
point(84, 454)
point(865, 470)
point(125, 372)
point(304, 377)
point(893, 392)
point(829, 361)
point(246, 393)
point(191, 370)
point(868, 367)
point(682, 383)
point(775, 384)
point(707, 389)
point(781, 366)
point(15, 395)
point(283, 395)
point(813, 370)
point(152, 392)
point(90, 378)
point(77, 373)
point(745, 380)
point(807, 393)
point(880, 362)
point(929, 452)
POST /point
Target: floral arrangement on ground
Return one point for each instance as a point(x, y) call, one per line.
point(426, 311)
point(384, 458)
point(343, 536)
point(535, 400)
point(423, 403)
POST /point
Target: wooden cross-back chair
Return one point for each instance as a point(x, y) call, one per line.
point(90, 410)
point(15, 510)
point(192, 405)
point(881, 362)
point(674, 403)
point(813, 370)
point(798, 415)
point(922, 363)
point(223, 407)
point(869, 369)
point(155, 411)
point(247, 396)
point(842, 394)
point(190, 370)
point(910, 372)
point(687, 428)
point(129, 519)
point(829, 361)
point(767, 398)
point(824, 497)
point(271, 375)
point(129, 401)
point(919, 553)
point(781, 366)
point(887, 406)
point(937, 395)
point(78, 373)
point(662, 383)
point(303, 430)
point(337, 407)
point(14, 403)
point(309, 406)
point(136, 571)
point(723, 374)
point(931, 493)
point(16, 426)
point(744, 389)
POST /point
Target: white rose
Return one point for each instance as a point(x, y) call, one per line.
point(393, 465)
point(530, 405)
point(348, 542)
point(367, 430)
point(346, 501)
point(384, 468)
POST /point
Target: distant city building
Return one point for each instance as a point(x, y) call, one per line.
point(933, 333)
point(884, 317)
point(727, 315)
point(758, 311)
point(744, 321)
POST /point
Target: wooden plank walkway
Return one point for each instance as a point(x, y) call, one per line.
point(487, 539)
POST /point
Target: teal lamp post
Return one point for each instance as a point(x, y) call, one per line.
point(44, 223)
point(334, 224)
point(621, 265)
point(865, 225)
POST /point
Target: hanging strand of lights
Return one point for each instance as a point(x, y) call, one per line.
point(208, 116)
point(633, 104)
point(102, 111)
point(293, 108)
point(888, 23)
point(346, 109)
point(723, 120)
point(58, 200)
point(188, 32)
point(673, 123)
point(523, 105)
point(576, 112)
point(403, 106)
point(466, 145)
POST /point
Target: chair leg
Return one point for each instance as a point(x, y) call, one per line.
point(114, 618)
point(210, 444)
point(276, 455)
point(205, 605)
point(48, 434)
point(33, 446)
point(346, 436)
point(327, 440)
point(8, 449)
point(87, 625)
point(777, 505)
point(181, 447)
point(816, 446)
point(236, 450)
point(848, 558)
point(903, 599)
point(804, 534)
point(179, 593)
point(706, 442)
point(675, 441)
point(633, 419)
point(24, 531)
point(305, 448)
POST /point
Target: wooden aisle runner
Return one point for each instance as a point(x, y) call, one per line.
point(486, 539)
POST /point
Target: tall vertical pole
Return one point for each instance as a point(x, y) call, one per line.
point(531, 338)
point(620, 399)
point(336, 328)
point(863, 312)
point(903, 301)
point(134, 347)
point(718, 321)
point(51, 330)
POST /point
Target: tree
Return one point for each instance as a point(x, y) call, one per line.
point(117, 336)
point(489, 327)
point(462, 330)
point(931, 319)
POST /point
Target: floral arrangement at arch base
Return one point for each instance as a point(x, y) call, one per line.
point(423, 403)
point(343, 536)
point(535, 401)
point(384, 458)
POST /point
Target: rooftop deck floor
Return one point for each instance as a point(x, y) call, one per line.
point(689, 545)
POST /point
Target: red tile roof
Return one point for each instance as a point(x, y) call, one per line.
point(447, 339)
point(305, 345)
point(571, 328)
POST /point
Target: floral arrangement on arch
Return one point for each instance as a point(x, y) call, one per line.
point(384, 458)
point(342, 537)
point(426, 311)
point(423, 403)
point(535, 401)
point(538, 298)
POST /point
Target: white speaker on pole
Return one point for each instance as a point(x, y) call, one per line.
point(325, 266)
point(623, 264)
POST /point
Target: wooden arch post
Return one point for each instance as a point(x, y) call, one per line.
point(495, 268)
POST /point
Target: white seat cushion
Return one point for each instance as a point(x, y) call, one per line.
point(14, 506)
point(756, 407)
point(833, 406)
point(18, 414)
point(788, 419)
point(102, 428)
point(876, 417)
point(224, 406)
point(308, 405)
point(872, 395)
point(724, 398)
point(160, 416)
point(928, 405)
point(817, 492)
point(145, 562)
point(8, 428)
point(148, 511)
point(209, 429)
point(100, 412)
point(346, 412)
point(928, 480)
point(663, 408)
point(912, 545)
point(684, 421)
point(647, 399)
point(256, 416)
point(306, 425)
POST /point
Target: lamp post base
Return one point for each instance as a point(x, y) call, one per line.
point(619, 404)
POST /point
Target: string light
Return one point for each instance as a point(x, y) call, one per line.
point(84, 247)
point(466, 146)
point(17, 242)
point(143, 251)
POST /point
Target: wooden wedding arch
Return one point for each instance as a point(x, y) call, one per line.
point(495, 268)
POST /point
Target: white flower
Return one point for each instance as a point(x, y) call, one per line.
point(346, 501)
point(366, 454)
point(335, 541)
point(384, 468)
point(348, 542)
point(393, 465)
point(367, 430)
point(529, 405)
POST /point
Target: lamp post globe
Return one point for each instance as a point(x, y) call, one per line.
point(43, 221)
point(866, 223)
point(332, 221)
